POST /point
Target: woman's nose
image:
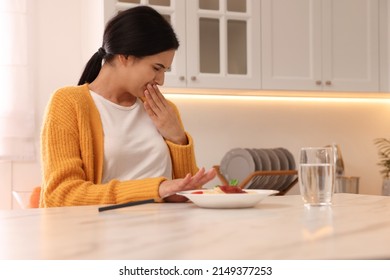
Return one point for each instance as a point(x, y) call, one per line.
point(159, 79)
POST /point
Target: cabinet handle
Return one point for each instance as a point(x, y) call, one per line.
point(181, 78)
point(193, 78)
point(318, 83)
point(328, 83)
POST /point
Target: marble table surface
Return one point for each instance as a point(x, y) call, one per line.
point(279, 227)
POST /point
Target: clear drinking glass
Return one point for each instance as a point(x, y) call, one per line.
point(317, 175)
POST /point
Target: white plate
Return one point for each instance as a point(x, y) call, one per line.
point(290, 158)
point(291, 163)
point(258, 166)
point(237, 164)
point(275, 165)
point(266, 164)
point(257, 180)
point(231, 200)
point(284, 165)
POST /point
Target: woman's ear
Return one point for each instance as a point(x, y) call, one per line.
point(122, 59)
point(125, 59)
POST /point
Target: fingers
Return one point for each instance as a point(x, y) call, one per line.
point(186, 181)
point(208, 176)
point(155, 103)
point(198, 176)
point(149, 110)
point(164, 116)
point(150, 106)
point(154, 98)
point(171, 187)
point(156, 94)
point(199, 179)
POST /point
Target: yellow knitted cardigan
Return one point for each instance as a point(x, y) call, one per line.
point(72, 156)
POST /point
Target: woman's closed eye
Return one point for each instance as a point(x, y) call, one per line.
point(159, 67)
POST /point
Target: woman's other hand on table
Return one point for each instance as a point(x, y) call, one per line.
point(169, 188)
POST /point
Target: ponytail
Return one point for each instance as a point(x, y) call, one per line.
point(92, 69)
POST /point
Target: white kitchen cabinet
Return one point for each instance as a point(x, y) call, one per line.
point(223, 43)
point(219, 41)
point(330, 45)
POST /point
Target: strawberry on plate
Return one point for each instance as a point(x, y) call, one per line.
point(231, 189)
point(225, 189)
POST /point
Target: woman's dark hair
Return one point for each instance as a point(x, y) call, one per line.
point(139, 31)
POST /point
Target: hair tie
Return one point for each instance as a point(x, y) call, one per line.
point(101, 52)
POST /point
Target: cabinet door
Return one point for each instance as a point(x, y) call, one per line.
point(350, 45)
point(329, 45)
point(291, 44)
point(223, 44)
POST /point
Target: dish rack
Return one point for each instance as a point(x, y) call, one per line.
point(261, 173)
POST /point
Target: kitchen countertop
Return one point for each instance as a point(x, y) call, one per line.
point(279, 227)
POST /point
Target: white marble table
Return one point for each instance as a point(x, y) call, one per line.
point(280, 227)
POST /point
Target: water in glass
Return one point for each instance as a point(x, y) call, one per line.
point(316, 176)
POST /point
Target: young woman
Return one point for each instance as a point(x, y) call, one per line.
point(114, 138)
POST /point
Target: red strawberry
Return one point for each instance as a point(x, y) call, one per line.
point(197, 192)
point(231, 189)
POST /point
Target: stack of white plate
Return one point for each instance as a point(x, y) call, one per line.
point(239, 163)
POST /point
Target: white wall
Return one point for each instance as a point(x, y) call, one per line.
point(219, 125)
point(68, 32)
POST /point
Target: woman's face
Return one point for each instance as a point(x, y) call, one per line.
point(139, 72)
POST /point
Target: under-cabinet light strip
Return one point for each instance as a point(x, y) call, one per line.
point(278, 98)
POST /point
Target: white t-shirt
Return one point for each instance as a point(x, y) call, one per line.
point(133, 147)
